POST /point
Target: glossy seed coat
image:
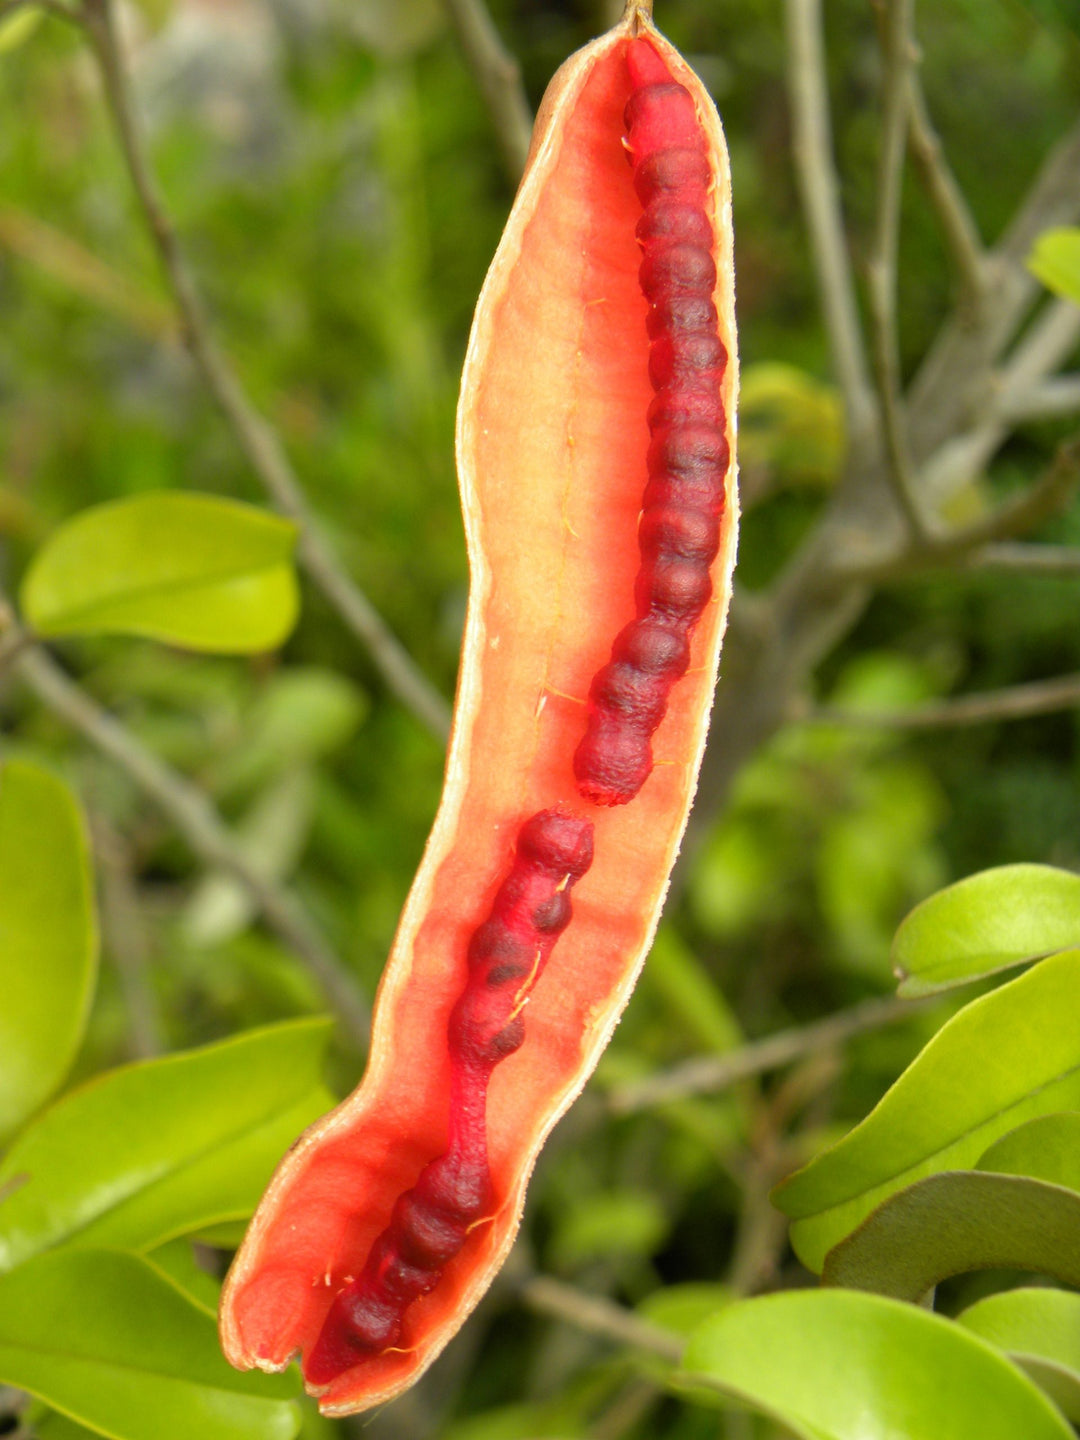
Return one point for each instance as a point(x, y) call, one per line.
point(689, 452)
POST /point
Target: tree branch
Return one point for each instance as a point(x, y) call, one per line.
point(1016, 702)
point(953, 380)
point(1034, 559)
point(599, 1317)
point(956, 221)
point(712, 1073)
point(1043, 499)
point(498, 76)
point(881, 263)
point(815, 171)
point(258, 441)
point(202, 827)
point(1058, 395)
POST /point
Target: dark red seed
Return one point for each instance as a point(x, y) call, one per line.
point(670, 268)
point(681, 314)
point(667, 171)
point(652, 647)
point(425, 1236)
point(557, 843)
point(623, 689)
point(686, 359)
point(675, 219)
point(671, 407)
point(553, 915)
point(676, 587)
point(695, 450)
point(613, 760)
point(679, 531)
point(659, 116)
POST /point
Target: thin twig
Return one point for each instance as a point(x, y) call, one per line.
point(711, 1073)
point(202, 827)
point(599, 1317)
point(815, 169)
point(257, 439)
point(954, 216)
point(1034, 559)
point(1058, 395)
point(1043, 499)
point(881, 264)
point(498, 75)
point(1015, 702)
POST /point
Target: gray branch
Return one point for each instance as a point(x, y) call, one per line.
point(257, 439)
point(201, 826)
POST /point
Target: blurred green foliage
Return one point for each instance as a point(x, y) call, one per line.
point(333, 175)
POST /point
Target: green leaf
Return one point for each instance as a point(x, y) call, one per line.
point(1005, 1058)
point(1040, 1330)
point(1047, 1149)
point(986, 923)
point(1055, 260)
point(840, 1365)
point(110, 1342)
point(18, 27)
point(682, 1308)
point(165, 1147)
point(958, 1221)
point(176, 1259)
point(191, 570)
point(48, 937)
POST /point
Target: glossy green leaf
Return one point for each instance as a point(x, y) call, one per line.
point(1047, 1148)
point(176, 1259)
point(48, 937)
point(986, 923)
point(1040, 1330)
point(192, 570)
point(841, 1365)
point(109, 1341)
point(1005, 1058)
point(164, 1147)
point(1055, 260)
point(958, 1221)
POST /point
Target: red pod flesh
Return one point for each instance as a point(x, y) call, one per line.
point(595, 441)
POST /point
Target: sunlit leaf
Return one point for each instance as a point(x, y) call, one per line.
point(192, 570)
point(1005, 1058)
point(164, 1147)
point(841, 1365)
point(17, 28)
point(110, 1342)
point(986, 923)
point(1055, 260)
point(1040, 1330)
point(1047, 1148)
point(957, 1221)
point(48, 937)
